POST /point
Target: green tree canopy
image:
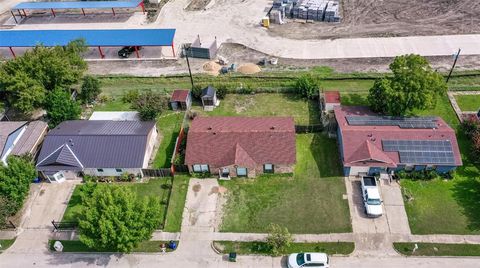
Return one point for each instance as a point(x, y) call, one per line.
point(15, 180)
point(115, 219)
point(61, 107)
point(278, 238)
point(414, 85)
point(307, 86)
point(26, 80)
point(150, 104)
point(90, 89)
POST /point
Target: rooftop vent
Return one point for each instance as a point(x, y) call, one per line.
point(272, 127)
point(209, 128)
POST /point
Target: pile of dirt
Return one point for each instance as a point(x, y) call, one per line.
point(212, 67)
point(249, 68)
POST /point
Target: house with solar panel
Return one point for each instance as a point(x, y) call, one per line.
point(97, 148)
point(372, 144)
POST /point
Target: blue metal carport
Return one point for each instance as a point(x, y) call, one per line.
point(76, 5)
point(93, 38)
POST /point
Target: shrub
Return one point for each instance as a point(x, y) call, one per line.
point(278, 238)
point(150, 104)
point(90, 89)
point(130, 96)
point(307, 86)
point(222, 90)
point(197, 92)
point(15, 181)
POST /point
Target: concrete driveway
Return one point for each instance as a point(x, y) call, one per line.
point(394, 208)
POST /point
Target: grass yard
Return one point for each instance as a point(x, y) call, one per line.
point(77, 246)
point(310, 201)
point(435, 249)
point(152, 188)
point(113, 105)
point(6, 243)
point(261, 248)
point(173, 223)
point(268, 104)
point(468, 102)
point(168, 125)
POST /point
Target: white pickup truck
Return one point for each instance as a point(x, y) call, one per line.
point(371, 197)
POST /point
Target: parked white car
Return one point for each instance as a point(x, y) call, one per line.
point(297, 260)
point(371, 197)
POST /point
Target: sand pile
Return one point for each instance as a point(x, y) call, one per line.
point(249, 68)
point(212, 67)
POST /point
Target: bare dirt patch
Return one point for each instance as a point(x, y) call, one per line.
point(196, 5)
point(387, 18)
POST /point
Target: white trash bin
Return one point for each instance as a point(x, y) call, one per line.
point(58, 246)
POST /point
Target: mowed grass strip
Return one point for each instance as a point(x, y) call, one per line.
point(310, 201)
point(176, 204)
point(78, 246)
point(468, 102)
point(168, 125)
point(262, 248)
point(437, 249)
point(303, 111)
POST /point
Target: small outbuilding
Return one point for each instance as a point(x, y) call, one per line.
point(209, 98)
point(329, 100)
point(181, 99)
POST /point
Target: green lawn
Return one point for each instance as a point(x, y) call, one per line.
point(168, 124)
point(173, 222)
point(153, 188)
point(6, 243)
point(77, 246)
point(268, 104)
point(468, 102)
point(310, 201)
point(261, 248)
point(113, 105)
point(435, 249)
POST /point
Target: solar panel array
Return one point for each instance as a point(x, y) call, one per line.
point(421, 151)
point(402, 122)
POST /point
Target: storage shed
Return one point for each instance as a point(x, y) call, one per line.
point(329, 100)
point(209, 98)
point(181, 99)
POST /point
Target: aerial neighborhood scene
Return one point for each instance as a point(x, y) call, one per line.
point(241, 133)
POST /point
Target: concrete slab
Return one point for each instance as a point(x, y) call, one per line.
point(394, 208)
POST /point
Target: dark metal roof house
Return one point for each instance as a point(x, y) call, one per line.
point(81, 145)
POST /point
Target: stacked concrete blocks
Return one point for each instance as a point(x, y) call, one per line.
point(316, 10)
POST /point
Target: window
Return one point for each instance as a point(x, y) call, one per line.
point(268, 168)
point(200, 168)
point(241, 172)
point(118, 170)
point(100, 169)
point(225, 172)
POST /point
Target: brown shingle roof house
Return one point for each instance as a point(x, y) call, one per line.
point(241, 146)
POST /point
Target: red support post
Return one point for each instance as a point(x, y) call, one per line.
point(13, 14)
point(13, 52)
point(101, 53)
point(143, 7)
point(113, 10)
point(53, 12)
point(173, 50)
point(136, 52)
point(24, 13)
point(83, 11)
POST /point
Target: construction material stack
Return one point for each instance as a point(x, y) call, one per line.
point(312, 10)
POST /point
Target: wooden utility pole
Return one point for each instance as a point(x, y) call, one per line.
point(454, 63)
point(188, 64)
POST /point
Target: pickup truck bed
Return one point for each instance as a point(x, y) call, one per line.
point(369, 181)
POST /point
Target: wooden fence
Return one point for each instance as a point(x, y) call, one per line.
point(161, 172)
point(308, 128)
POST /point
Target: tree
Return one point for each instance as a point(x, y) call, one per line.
point(197, 92)
point(61, 107)
point(278, 238)
point(476, 146)
point(150, 104)
point(307, 86)
point(15, 180)
point(27, 79)
point(222, 90)
point(90, 89)
point(115, 219)
point(7, 209)
point(414, 85)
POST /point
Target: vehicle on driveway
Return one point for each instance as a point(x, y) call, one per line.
point(371, 197)
point(297, 260)
point(125, 52)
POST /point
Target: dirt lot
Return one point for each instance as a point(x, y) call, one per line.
point(388, 18)
point(240, 54)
